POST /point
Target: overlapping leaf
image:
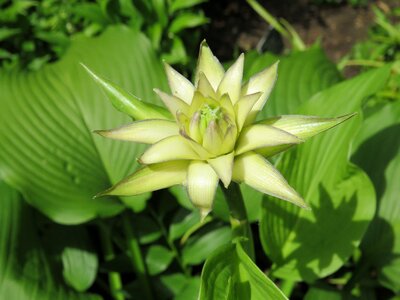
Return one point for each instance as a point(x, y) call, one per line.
point(230, 274)
point(377, 152)
point(25, 269)
point(47, 149)
point(341, 195)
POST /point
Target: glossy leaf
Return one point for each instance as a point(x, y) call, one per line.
point(158, 258)
point(48, 151)
point(80, 262)
point(321, 172)
point(183, 220)
point(230, 274)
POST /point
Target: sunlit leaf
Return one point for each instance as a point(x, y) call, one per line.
point(48, 151)
point(230, 274)
point(378, 153)
point(341, 196)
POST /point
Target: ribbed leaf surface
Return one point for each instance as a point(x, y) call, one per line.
point(47, 149)
point(341, 195)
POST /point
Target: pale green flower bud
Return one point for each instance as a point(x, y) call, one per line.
point(208, 133)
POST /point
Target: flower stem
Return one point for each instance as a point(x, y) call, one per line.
point(238, 217)
point(136, 256)
point(114, 278)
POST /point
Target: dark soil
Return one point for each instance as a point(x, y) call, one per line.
point(338, 26)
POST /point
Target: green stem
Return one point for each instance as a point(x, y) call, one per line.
point(238, 217)
point(114, 278)
point(268, 17)
point(364, 63)
point(287, 287)
point(136, 256)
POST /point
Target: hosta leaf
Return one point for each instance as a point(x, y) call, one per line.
point(378, 153)
point(25, 269)
point(230, 274)
point(47, 150)
point(300, 76)
point(341, 195)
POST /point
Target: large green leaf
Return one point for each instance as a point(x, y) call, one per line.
point(230, 274)
point(25, 269)
point(47, 149)
point(378, 153)
point(306, 245)
point(300, 76)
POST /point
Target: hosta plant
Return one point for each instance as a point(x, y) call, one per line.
point(209, 133)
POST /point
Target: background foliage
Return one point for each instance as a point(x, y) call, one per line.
point(59, 243)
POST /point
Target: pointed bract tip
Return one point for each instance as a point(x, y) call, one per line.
point(166, 65)
point(101, 194)
point(226, 184)
point(99, 132)
point(348, 116)
point(204, 44)
point(203, 214)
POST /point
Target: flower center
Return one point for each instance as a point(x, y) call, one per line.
point(209, 113)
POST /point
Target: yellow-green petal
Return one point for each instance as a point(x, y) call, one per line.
point(212, 140)
point(210, 66)
point(261, 82)
point(229, 139)
point(202, 182)
point(305, 127)
point(179, 85)
point(150, 178)
point(243, 107)
point(199, 149)
point(145, 131)
point(173, 103)
point(260, 174)
point(199, 100)
point(223, 166)
point(205, 87)
point(226, 104)
point(128, 103)
point(260, 135)
point(232, 82)
point(171, 148)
